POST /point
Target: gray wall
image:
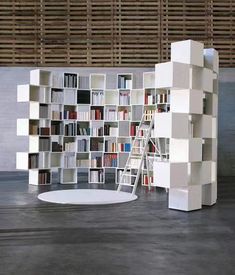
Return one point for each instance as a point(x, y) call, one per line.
point(10, 110)
point(226, 123)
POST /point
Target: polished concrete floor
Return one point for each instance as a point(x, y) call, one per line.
point(142, 237)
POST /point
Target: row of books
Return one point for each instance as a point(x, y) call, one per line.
point(96, 162)
point(70, 115)
point(70, 80)
point(97, 114)
point(97, 97)
point(149, 99)
point(82, 131)
point(97, 176)
point(44, 131)
point(124, 147)
point(110, 146)
point(83, 115)
point(82, 145)
point(110, 160)
point(69, 161)
point(44, 144)
point(124, 83)
point(56, 115)
point(56, 146)
point(110, 130)
point(69, 146)
point(124, 98)
point(162, 98)
point(44, 177)
point(110, 114)
point(96, 145)
point(124, 115)
point(70, 129)
point(56, 128)
point(97, 131)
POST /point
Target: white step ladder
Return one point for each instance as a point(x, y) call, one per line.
point(138, 153)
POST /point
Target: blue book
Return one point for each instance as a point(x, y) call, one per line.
point(127, 147)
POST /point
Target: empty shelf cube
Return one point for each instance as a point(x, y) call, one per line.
point(187, 51)
point(186, 199)
point(187, 101)
point(172, 75)
point(170, 175)
point(171, 125)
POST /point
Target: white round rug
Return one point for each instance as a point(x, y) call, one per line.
point(87, 196)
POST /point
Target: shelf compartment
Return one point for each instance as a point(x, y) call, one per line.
point(97, 81)
point(83, 160)
point(68, 176)
point(83, 96)
point(111, 97)
point(96, 176)
point(125, 81)
point(71, 80)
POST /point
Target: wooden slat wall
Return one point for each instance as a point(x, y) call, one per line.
point(111, 32)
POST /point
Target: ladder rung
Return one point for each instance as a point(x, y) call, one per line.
point(129, 175)
point(126, 184)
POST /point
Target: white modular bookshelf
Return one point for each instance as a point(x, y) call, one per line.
point(191, 126)
point(71, 129)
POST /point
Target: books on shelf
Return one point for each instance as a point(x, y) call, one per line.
point(96, 144)
point(162, 98)
point(69, 160)
point(70, 80)
point(70, 114)
point(56, 128)
point(110, 130)
point(44, 144)
point(56, 147)
point(70, 146)
point(123, 115)
point(97, 176)
point(96, 162)
point(97, 131)
point(82, 130)
point(96, 114)
point(83, 115)
point(44, 177)
point(110, 160)
point(97, 97)
point(82, 145)
point(110, 146)
point(110, 114)
point(124, 98)
point(124, 147)
point(70, 129)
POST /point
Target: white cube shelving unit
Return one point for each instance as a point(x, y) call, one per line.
point(187, 101)
point(172, 75)
point(185, 150)
point(171, 125)
point(170, 174)
point(191, 125)
point(186, 198)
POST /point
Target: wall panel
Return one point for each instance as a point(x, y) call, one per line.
point(111, 32)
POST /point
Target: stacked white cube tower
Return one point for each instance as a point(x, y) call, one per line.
point(191, 125)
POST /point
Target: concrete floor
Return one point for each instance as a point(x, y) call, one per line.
point(140, 238)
